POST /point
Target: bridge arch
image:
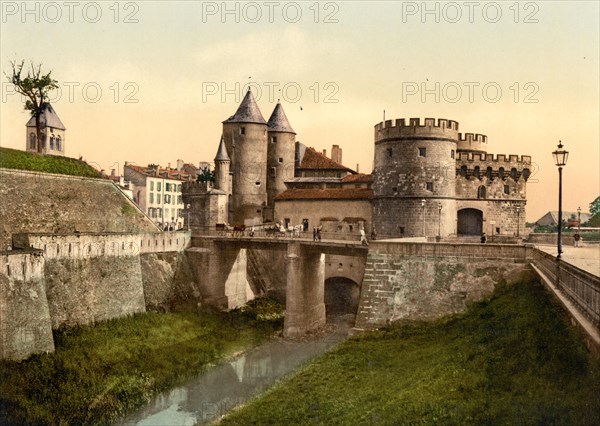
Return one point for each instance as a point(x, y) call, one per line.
point(342, 296)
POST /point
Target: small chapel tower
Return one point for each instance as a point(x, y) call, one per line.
point(52, 135)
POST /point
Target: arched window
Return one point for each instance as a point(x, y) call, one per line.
point(488, 173)
point(43, 140)
point(513, 173)
point(526, 174)
point(463, 171)
point(58, 144)
point(481, 192)
point(52, 142)
point(476, 172)
point(501, 172)
point(32, 140)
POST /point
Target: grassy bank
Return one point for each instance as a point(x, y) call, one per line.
point(21, 160)
point(97, 374)
point(511, 360)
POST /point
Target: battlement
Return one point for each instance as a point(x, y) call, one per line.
point(472, 142)
point(197, 187)
point(472, 137)
point(496, 158)
point(413, 127)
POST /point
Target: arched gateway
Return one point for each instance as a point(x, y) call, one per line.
point(470, 222)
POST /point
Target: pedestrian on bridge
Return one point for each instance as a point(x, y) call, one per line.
point(363, 237)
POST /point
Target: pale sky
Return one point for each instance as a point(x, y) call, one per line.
point(151, 82)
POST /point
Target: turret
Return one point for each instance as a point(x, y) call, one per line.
point(245, 138)
point(222, 163)
point(280, 155)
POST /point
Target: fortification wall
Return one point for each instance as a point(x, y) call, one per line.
point(472, 142)
point(42, 202)
point(25, 325)
point(427, 281)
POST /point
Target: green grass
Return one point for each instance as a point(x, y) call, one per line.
point(98, 374)
point(21, 160)
point(511, 360)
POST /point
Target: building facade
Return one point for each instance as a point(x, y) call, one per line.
point(431, 180)
point(52, 134)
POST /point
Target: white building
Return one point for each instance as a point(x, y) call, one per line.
point(158, 191)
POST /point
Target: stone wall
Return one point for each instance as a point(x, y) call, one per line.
point(42, 202)
point(25, 325)
point(427, 281)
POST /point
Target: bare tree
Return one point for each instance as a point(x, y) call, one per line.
point(35, 87)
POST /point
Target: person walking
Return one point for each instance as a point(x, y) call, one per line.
point(314, 234)
point(576, 238)
point(483, 238)
point(363, 237)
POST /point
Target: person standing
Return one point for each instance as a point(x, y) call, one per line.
point(483, 238)
point(363, 237)
point(576, 237)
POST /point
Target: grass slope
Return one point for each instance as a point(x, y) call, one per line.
point(98, 374)
point(21, 160)
point(511, 360)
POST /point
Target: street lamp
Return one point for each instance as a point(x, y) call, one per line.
point(423, 207)
point(578, 219)
point(439, 220)
point(518, 217)
point(560, 159)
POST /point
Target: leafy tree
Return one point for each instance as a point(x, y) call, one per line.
point(35, 86)
point(206, 175)
point(595, 206)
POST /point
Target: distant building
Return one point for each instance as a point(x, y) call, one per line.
point(52, 133)
point(551, 218)
point(158, 191)
point(127, 187)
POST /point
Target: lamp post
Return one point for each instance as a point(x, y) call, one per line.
point(578, 219)
point(423, 207)
point(560, 159)
point(439, 220)
point(518, 217)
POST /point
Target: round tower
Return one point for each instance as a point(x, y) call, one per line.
point(280, 156)
point(222, 163)
point(245, 137)
point(470, 142)
point(414, 178)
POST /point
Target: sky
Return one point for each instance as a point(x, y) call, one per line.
point(151, 82)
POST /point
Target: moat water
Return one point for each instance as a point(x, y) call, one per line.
point(230, 384)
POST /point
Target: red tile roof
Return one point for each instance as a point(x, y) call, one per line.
point(358, 178)
point(171, 173)
point(315, 160)
point(326, 194)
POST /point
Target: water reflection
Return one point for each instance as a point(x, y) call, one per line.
point(230, 384)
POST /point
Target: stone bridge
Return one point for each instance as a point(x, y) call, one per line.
point(222, 266)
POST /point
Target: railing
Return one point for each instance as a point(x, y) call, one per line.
point(581, 287)
point(261, 231)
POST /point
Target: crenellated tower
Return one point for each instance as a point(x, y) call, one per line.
point(245, 138)
point(280, 156)
point(414, 191)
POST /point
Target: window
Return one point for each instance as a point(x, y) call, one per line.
point(513, 173)
point(273, 139)
point(32, 141)
point(286, 222)
point(179, 188)
point(151, 197)
point(506, 189)
point(476, 172)
point(179, 199)
point(422, 152)
point(151, 185)
point(158, 186)
point(52, 142)
point(481, 192)
point(257, 183)
point(158, 198)
point(242, 130)
point(280, 160)
point(167, 187)
point(501, 172)
point(452, 153)
point(488, 173)
point(389, 152)
point(430, 186)
point(401, 229)
point(463, 171)
point(43, 140)
point(58, 144)
point(395, 190)
point(526, 174)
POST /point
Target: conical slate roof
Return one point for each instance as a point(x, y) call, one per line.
point(278, 121)
point(48, 119)
point(222, 151)
point(247, 112)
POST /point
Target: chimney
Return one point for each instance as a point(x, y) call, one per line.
point(357, 168)
point(325, 152)
point(336, 154)
point(169, 166)
point(113, 172)
point(180, 164)
point(102, 172)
